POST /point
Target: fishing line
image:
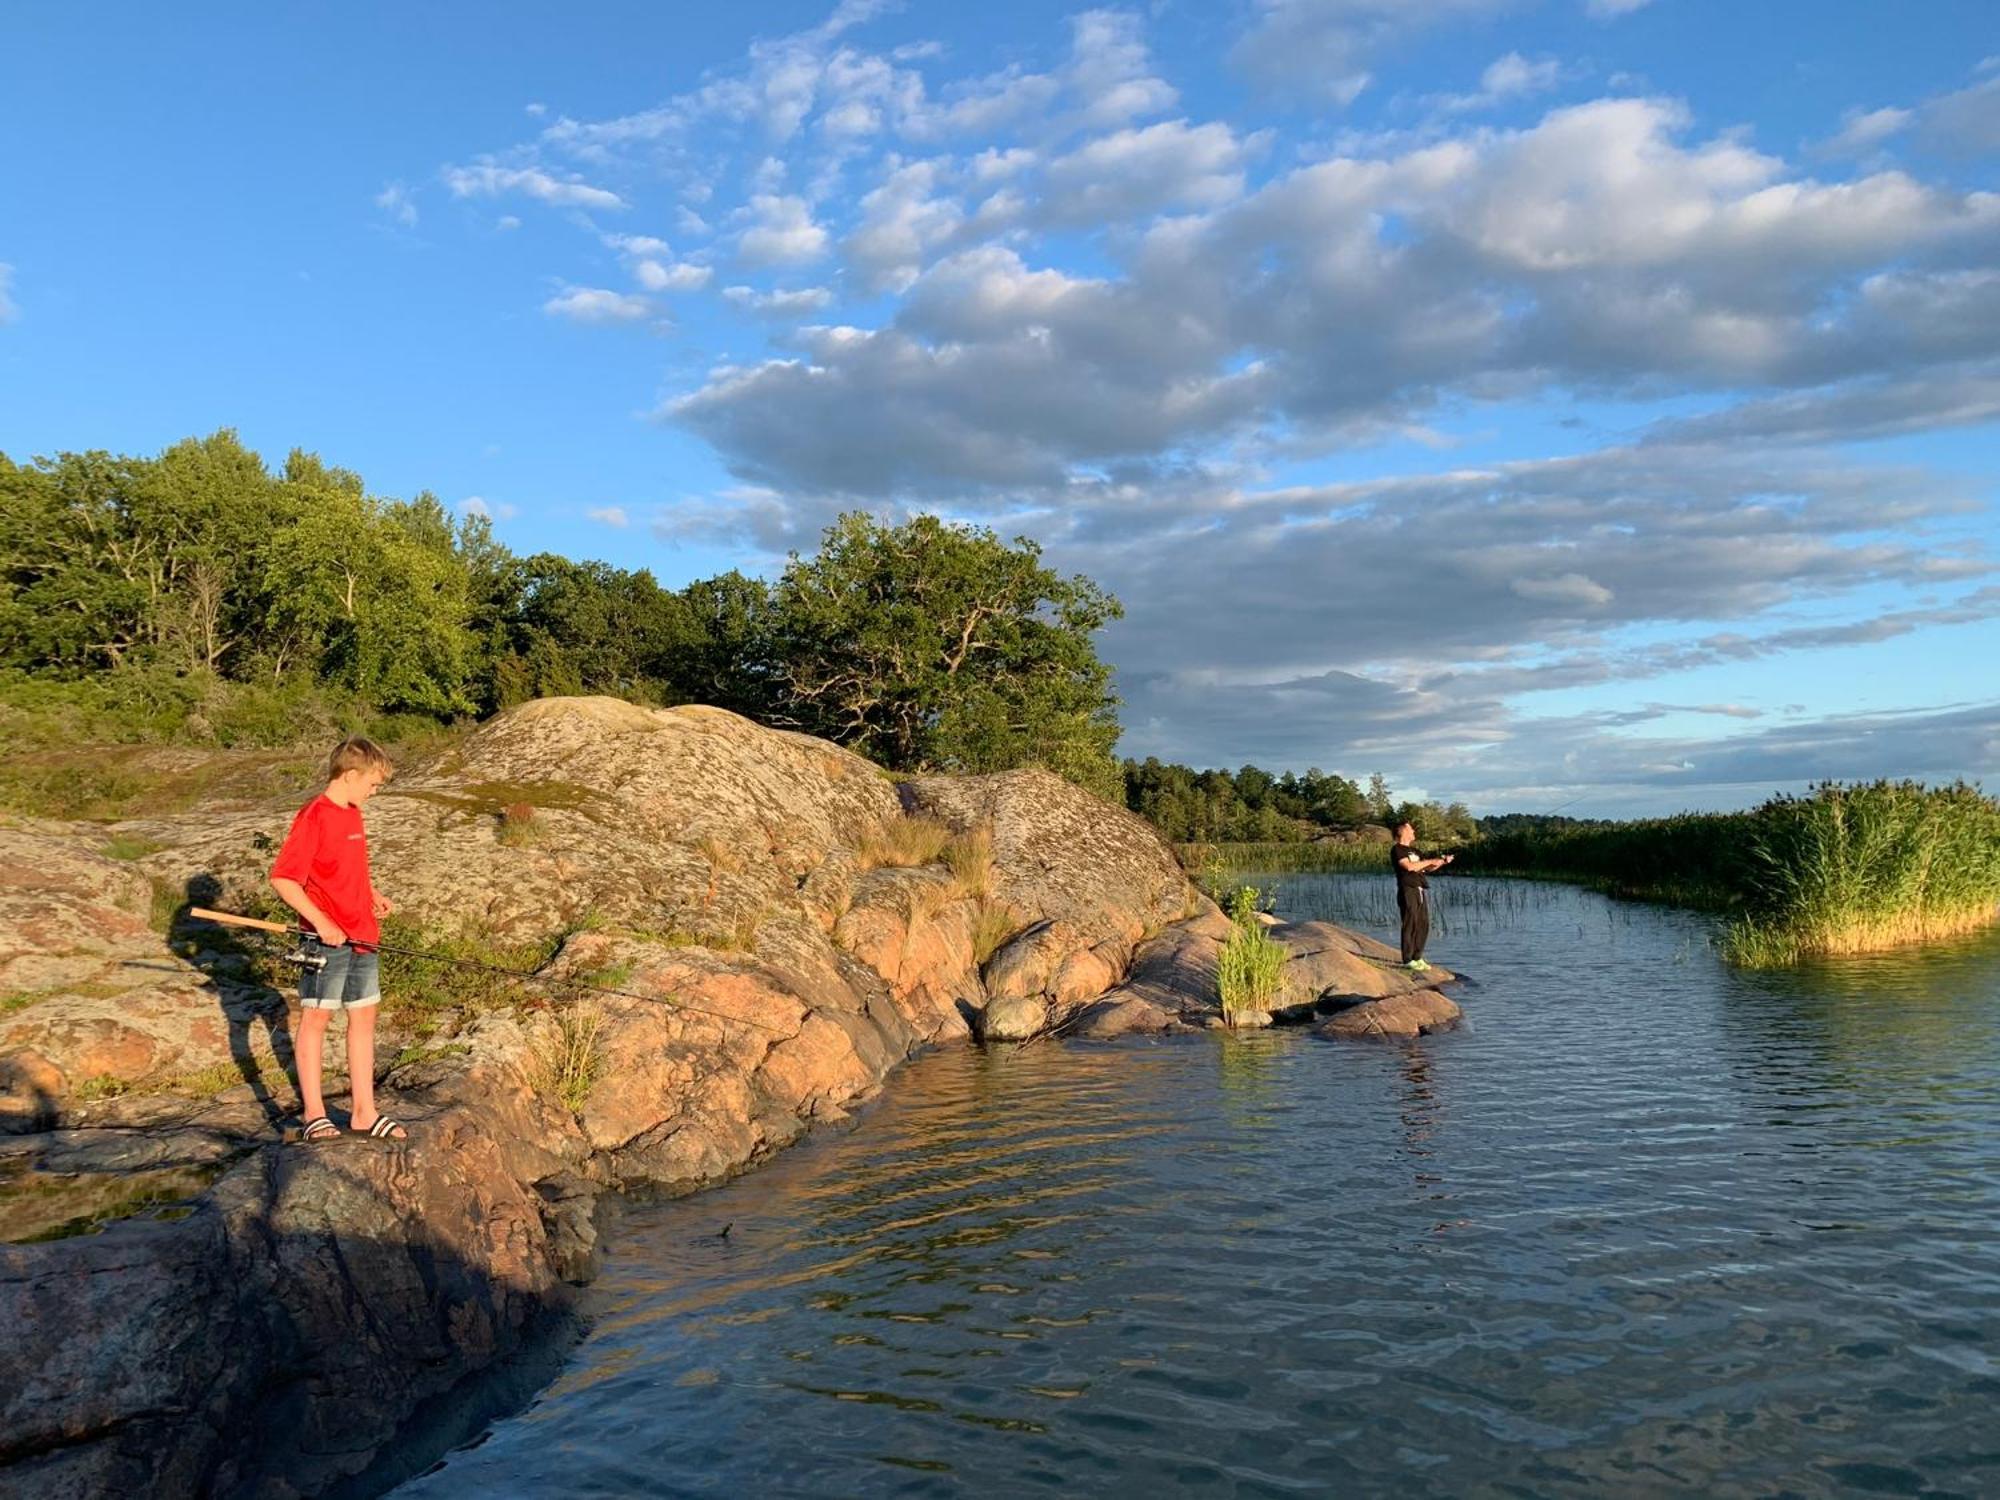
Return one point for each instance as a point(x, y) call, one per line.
point(306, 960)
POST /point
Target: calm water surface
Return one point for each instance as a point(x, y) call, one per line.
point(1646, 1226)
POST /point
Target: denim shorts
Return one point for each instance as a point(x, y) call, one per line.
point(349, 981)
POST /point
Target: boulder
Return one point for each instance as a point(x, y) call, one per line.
point(1013, 1018)
point(1413, 1013)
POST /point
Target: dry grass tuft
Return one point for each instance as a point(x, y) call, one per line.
point(903, 843)
point(569, 1061)
point(993, 922)
point(970, 856)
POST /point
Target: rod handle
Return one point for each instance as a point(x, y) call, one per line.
point(230, 919)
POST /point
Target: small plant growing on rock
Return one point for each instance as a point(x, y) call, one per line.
point(569, 1061)
point(970, 856)
point(1249, 967)
point(518, 828)
point(993, 922)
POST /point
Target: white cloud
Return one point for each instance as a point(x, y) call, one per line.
point(507, 222)
point(610, 515)
point(679, 277)
point(488, 181)
point(639, 244)
point(782, 232)
point(903, 220)
point(1139, 171)
point(479, 505)
point(1110, 71)
point(1606, 10)
point(1507, 77)
point(587, 304)
point(798, 303)
point(9, 309)
point(1323, 48)
point(1864, 131)
point(395, 201)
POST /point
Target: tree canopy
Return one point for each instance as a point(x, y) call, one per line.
point(925, 645)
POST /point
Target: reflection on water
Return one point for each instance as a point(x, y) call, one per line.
point(1645, 1226)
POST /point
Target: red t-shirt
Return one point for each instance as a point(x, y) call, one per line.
point(327, 853)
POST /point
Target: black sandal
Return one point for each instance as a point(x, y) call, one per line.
point(385, 1129)
point(321, 1129)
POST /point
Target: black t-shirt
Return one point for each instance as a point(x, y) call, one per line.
point(1408, 879)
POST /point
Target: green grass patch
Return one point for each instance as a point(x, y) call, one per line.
point(126, 846)
point(1250, 965)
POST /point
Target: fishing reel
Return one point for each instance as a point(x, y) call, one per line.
point(306, 958)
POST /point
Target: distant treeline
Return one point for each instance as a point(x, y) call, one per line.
point(1257, 806)
point(199, 595)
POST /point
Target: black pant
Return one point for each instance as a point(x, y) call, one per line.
point(1414, 902)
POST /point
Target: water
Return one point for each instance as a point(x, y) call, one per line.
point(1648, 1226)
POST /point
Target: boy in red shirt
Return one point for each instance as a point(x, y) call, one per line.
point(322, 874)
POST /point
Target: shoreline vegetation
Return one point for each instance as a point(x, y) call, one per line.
point(1847, 868)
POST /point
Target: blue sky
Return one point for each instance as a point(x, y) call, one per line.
point(1583, 402)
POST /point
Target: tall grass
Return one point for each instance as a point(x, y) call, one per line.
point(1854, 869)
point(1210, 864)
point(1843, 869)
point(1249, 966)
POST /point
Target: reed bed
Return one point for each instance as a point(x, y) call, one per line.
point(1843, 869)
point(1285, 858)
point(1856, 869)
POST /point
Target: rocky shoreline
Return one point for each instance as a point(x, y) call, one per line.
point(255, 1319)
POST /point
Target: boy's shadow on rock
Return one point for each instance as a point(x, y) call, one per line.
point(247, 1003)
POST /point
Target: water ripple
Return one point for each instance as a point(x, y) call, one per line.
point(1646, 1227)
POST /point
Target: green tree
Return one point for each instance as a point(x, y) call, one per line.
point(934, 646)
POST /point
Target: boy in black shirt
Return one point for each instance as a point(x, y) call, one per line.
point(1413, 893)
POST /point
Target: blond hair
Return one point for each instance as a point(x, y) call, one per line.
point(356, 753)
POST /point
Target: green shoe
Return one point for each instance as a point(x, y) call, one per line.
point(1418, 966)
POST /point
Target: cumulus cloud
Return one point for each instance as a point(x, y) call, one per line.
point(1595, 248)
point(781, 232)
point(591, 304)
point(655, 276)
point(610, 515)
point(1235, 311)
point(489, 181)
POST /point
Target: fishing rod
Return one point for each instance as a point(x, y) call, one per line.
point(317, 961)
